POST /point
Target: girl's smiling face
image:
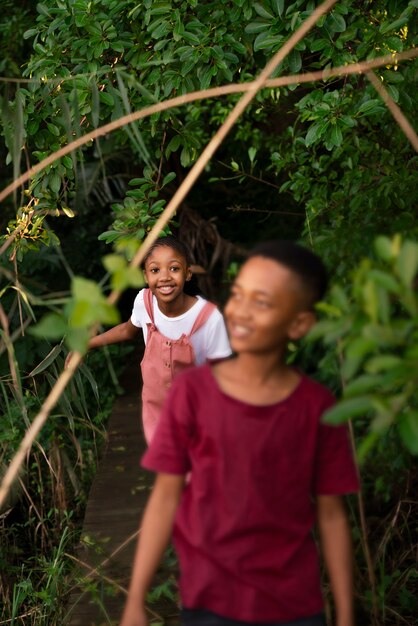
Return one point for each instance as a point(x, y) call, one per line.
point(265, 309)
point(166, 271)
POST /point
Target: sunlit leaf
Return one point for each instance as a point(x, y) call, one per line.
point(407, 262)
point(51, 326)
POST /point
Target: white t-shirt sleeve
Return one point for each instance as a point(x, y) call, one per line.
point(216, 337)
point(138, 311)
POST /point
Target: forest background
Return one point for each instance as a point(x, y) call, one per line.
point(321, 162)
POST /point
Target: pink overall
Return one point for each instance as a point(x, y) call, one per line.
point(163, 359)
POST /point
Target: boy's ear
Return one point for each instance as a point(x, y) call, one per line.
point(301, 325)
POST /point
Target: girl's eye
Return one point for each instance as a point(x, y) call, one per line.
point(154, 270)
point(175, 268)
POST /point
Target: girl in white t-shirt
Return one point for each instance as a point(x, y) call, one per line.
point(179, 330)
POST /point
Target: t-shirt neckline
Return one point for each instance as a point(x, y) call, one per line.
point(178, 317)
point(243, 403)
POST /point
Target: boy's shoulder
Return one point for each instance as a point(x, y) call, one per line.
point(312, 392)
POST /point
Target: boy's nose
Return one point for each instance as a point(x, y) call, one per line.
point(242, 310)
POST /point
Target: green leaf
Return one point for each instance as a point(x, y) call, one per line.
point(261, 11)
point(385, 280)
point(395, 25)
point(336, 23)
point(95, 104)
point(383, 247)
point(128, 277)
point(366, 445)
point(407, 263)
point(109, 236)
point(256, 27)
point(370, 300)
point(185, 157)
point(77, 339)
point(55, 182)
point(168, 178)
point(336, 135)
point(191, 38)
point(408, 429)
point(355, 352)
point(371, 107)
point(84, 289)
point(295, 61)
point(347, 409)
point(30, 33)
point(46, 362)
point(393, 92)
point(319, 44)
point(265, 41)
point(315, 132)
point(362, 385)
point(106, 98)
point(251, 153)
point(278, 6)
point(114, 262)
point(53, 129)
point(51, 326)
point(382, 363)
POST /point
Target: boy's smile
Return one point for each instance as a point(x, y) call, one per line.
point(166, 271)
point(265, 310)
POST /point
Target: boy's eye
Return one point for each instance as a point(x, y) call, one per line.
point(262, 304)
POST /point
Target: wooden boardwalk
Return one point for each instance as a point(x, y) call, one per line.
point(116, 501)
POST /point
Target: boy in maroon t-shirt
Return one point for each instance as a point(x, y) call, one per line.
point(263, 467)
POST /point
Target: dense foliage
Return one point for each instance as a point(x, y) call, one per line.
point(323, 162)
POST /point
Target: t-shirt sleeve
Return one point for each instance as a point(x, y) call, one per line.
point(138, 310)
point(217, 342)
point(335, 469)
point(169, 449)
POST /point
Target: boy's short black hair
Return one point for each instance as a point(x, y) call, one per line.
point(171, 242)
point(303, 262)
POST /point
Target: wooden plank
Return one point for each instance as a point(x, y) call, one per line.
point(114, 509)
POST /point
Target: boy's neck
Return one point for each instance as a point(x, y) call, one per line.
point(260, 368)
point(257, 379)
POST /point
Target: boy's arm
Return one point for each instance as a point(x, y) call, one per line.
point(154, 536)
point(335, 537)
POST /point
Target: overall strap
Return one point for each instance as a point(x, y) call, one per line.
point(203, 316)
point(148, 303)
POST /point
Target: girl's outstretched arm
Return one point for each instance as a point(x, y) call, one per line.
point(122, 332)
point(336, 546)
point(154, 536)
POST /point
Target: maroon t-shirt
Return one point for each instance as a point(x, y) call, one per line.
point(243, 530)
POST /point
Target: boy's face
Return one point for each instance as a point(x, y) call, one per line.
point(166, 271)
point(265, 309)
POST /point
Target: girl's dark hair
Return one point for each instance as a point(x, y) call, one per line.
point(171, 242)
point(300, 260)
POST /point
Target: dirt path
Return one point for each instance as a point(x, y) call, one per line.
point(116, 501)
